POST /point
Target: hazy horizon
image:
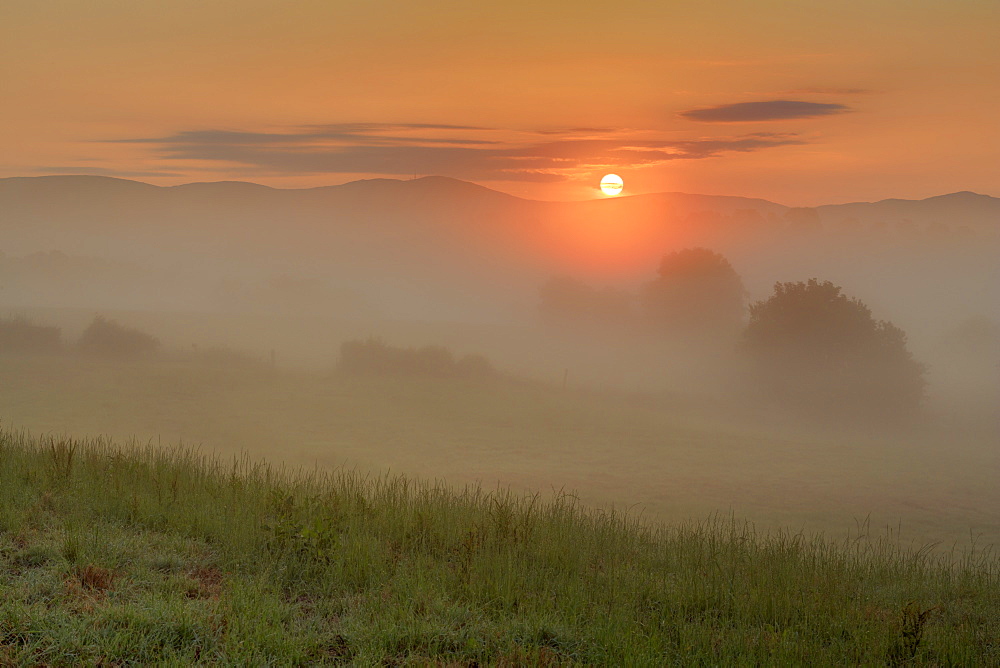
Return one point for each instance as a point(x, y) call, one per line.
point(846, 200)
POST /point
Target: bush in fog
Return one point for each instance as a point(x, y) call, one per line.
point(696, 291)
point(976, 338)
point(19, 335)
point(567, 301)
point(107, 338)
point(814, 347)
point(375, 357)
point(221, 356)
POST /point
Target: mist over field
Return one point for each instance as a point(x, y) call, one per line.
point(622, 349)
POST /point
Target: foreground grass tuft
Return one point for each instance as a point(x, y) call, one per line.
point(112, 555)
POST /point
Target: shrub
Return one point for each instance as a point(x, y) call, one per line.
point(474, 366)
point(976, 339)
point(813, 347)
point(696, 292)
point(374, 357)
point(20, 335)
point(224, 357)
point(106, 338)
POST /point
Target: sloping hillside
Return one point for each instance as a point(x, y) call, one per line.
point(112, 556)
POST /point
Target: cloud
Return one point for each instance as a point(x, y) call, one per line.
point(768, 110)
point(465, 152)
point(367, 133)
point(829, 91)
point(576, 131)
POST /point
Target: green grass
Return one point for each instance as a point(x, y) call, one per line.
point(112, 555)
point(674, 457)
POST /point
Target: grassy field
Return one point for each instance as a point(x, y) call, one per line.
point(113, 555)
point(669, 457)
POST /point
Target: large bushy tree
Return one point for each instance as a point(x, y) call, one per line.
point(812, 346)
point(695, 292)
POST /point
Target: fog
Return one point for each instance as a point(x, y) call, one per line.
point(439, 329)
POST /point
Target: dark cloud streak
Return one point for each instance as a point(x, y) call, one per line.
point(768, 110)
point(104, 171)
point(314, 135)
point(364, 149)
point(576, 131)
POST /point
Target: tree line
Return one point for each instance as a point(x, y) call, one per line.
point(808, 346)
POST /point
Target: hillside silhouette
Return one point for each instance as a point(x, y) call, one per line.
point(458, 247)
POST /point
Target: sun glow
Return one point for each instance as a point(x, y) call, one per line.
point(612, 185)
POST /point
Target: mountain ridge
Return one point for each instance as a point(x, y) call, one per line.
point(467, 247)
point(445, 181)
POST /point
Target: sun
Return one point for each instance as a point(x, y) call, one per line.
point(612, 185)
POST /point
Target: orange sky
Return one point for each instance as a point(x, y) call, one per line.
point(798, 102)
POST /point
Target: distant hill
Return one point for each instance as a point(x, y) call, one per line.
point(967, 209)
point(397, 220)
point(397, 242)
point(98, 200)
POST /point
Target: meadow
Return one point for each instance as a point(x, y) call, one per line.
point(203, 505)
point(665, 456)
point(141, 554)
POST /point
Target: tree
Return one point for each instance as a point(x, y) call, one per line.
point(107, 338)
point(813, 347)
point(696, 292)
point(19, 335)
